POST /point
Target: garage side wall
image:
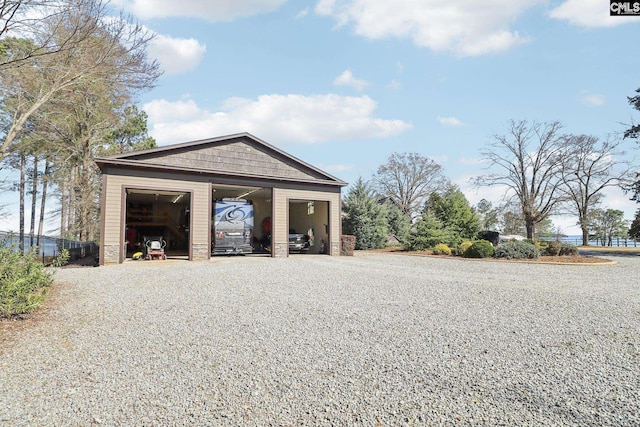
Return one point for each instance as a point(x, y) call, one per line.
point(280, 234)
point(114, 203)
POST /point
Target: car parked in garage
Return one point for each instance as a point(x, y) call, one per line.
point(298, 242)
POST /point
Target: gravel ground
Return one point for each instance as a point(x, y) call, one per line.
point(376, 339)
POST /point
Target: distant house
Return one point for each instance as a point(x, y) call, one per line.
point(510, 237)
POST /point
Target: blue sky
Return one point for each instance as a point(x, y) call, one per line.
point(342, 84)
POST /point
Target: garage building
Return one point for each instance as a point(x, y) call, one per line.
point(170, 191)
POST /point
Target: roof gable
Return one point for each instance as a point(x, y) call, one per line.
point(241, 154)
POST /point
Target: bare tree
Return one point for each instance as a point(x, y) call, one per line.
point(587, 167)
point(408, 179)
point(43, 199)
point(111, 51)
point(526, 161)
point(634, 129)
point(41, 21)
point(8, 11)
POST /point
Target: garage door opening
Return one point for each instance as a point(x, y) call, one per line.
point(227, 239)
point(308, 227)
point(157, 215)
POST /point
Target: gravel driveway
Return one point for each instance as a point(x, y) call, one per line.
point(375, 339)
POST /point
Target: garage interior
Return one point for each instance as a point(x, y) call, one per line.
point(151, 213)
point(307, 217)
point(311, 217)
point(154, 213)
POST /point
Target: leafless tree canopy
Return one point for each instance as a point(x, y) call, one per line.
point(526, 161)
point(408, 179)
point(41, 21)
point(8, 10)
point(588, 166)
point(91, 47)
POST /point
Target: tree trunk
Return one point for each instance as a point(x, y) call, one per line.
point(531, 228)
point(45, 180)
point(21, 189)
point(585, 236)
point(34, 200)
point(71, 206)
point(63, 208)
point(87, 192)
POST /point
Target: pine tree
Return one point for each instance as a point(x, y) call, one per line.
point(452, 209)
point(398, 223)
point(365, 217)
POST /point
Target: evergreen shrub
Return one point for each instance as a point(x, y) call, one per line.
point(567, 249)
point(517, 250)
point(464, 246)
point(441, 249)
point(23, 280)
point(479, 249)
point(553, 248)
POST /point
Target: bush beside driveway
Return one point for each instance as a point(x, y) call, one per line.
point(371, 339)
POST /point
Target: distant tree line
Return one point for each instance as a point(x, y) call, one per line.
point(542, 171)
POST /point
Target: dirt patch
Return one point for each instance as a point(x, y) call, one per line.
point(88, 261)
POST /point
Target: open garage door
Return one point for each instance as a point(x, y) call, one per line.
point(225, 239)
point(157, 215)
point(308, 226)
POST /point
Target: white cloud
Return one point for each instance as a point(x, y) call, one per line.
point(394, 84)
point(465, 27)
point(293, 119)
point(594, 100)
point(348, 79)
point(589, 13)
point(175, 55)
point(302, 13)
point(214, 11)
point(449, 121)
point(615, 198)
